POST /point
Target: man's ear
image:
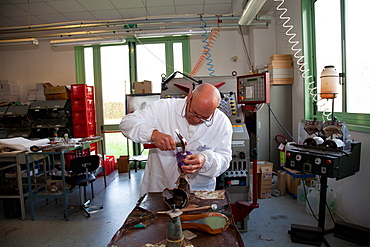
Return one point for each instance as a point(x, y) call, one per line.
point(190, 95)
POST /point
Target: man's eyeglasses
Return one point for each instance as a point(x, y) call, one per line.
point(203, 119)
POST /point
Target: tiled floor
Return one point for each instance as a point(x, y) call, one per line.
point(268, 225)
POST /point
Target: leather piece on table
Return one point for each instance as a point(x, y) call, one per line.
point(213, 223)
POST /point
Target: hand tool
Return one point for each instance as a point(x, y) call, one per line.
point(152, 145)
point(213, 207)
point(181, 144)
point(182, 141)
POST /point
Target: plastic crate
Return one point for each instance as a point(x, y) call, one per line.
point(94, 147)
point(67, 159)
point(109, 165)
point(84, 129)
point(83, 116)
point(82, 91)
point(81, 104)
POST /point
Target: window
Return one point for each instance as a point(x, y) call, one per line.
point(335, 30)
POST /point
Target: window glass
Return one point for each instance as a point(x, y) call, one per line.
point(177, 57)
point(328, 46)
point(358, 57)
point(89, 67)
point(151, 65)
point(115, 81)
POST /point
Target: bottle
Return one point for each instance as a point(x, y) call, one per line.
point(56, 139)
point(313, 182)
point(313, 198)
point(302, 190)
point(54, 187)
point(66, 137)
point(329, 82)
point(330, 201)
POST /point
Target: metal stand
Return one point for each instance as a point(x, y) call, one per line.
point(312, 235)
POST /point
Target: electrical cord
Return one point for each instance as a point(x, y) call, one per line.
point(246, 50)
point(309, 205)
point(277, 120)
point(307, 201)
point(305, 73)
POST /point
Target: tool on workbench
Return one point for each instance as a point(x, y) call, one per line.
point(175, 237)
point(183, 180)
point(152, 145)
point(175, 198)
point(188, 209)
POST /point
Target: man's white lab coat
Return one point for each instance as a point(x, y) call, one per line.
point(166, 115)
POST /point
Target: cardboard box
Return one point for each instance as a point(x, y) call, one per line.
point(293, 180)
point(282, 182)
point(143, 87)
point(57, 93)
point(281, 81)
point(123, 163)
point(261, 164)
point(265, 183)
point(286, 64)
point(279, 57)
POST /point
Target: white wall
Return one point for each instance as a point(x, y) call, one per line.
point(29, 65)
point(229, 43)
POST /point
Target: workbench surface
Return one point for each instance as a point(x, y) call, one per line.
point(156, 225)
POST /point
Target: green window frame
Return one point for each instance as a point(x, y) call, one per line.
point(132, 42)
point(354, 121)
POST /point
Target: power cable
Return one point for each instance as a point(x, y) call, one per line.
point(246, 50)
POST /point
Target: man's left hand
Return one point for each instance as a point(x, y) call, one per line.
point(193, 163)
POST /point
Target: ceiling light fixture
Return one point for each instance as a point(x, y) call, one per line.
point(87, 41)
point(10, 42)
point(250, 11)
point(174, 33)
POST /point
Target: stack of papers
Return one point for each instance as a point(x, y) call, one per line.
point(38, 93)
point(9, 91)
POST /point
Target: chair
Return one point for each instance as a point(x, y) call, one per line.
point(83, 170)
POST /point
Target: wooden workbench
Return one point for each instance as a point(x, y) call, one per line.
point(157, 224)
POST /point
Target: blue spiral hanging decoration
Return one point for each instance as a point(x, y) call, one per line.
point(207, 49)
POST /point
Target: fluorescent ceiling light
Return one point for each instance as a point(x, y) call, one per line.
point(87, 41)
point(250, 11)
point(174, 33)
point(30, 41)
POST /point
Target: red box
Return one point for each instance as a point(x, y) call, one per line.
point(109, 165)
point(84, 130)
point(82, 91)
point(67, 159)
point(83, 104)
point(83, 116)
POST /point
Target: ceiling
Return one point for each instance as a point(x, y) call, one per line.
point(46, 18)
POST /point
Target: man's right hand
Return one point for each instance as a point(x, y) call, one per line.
point(163, 141)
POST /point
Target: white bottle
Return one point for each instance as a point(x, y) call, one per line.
point(313, 198)
point(302, 191)
point(330, 201)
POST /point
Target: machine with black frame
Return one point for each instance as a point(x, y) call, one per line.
point(324, 148)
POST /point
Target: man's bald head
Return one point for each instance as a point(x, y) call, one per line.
point(204, 100)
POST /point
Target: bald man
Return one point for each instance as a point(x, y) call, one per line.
point(207, 130)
